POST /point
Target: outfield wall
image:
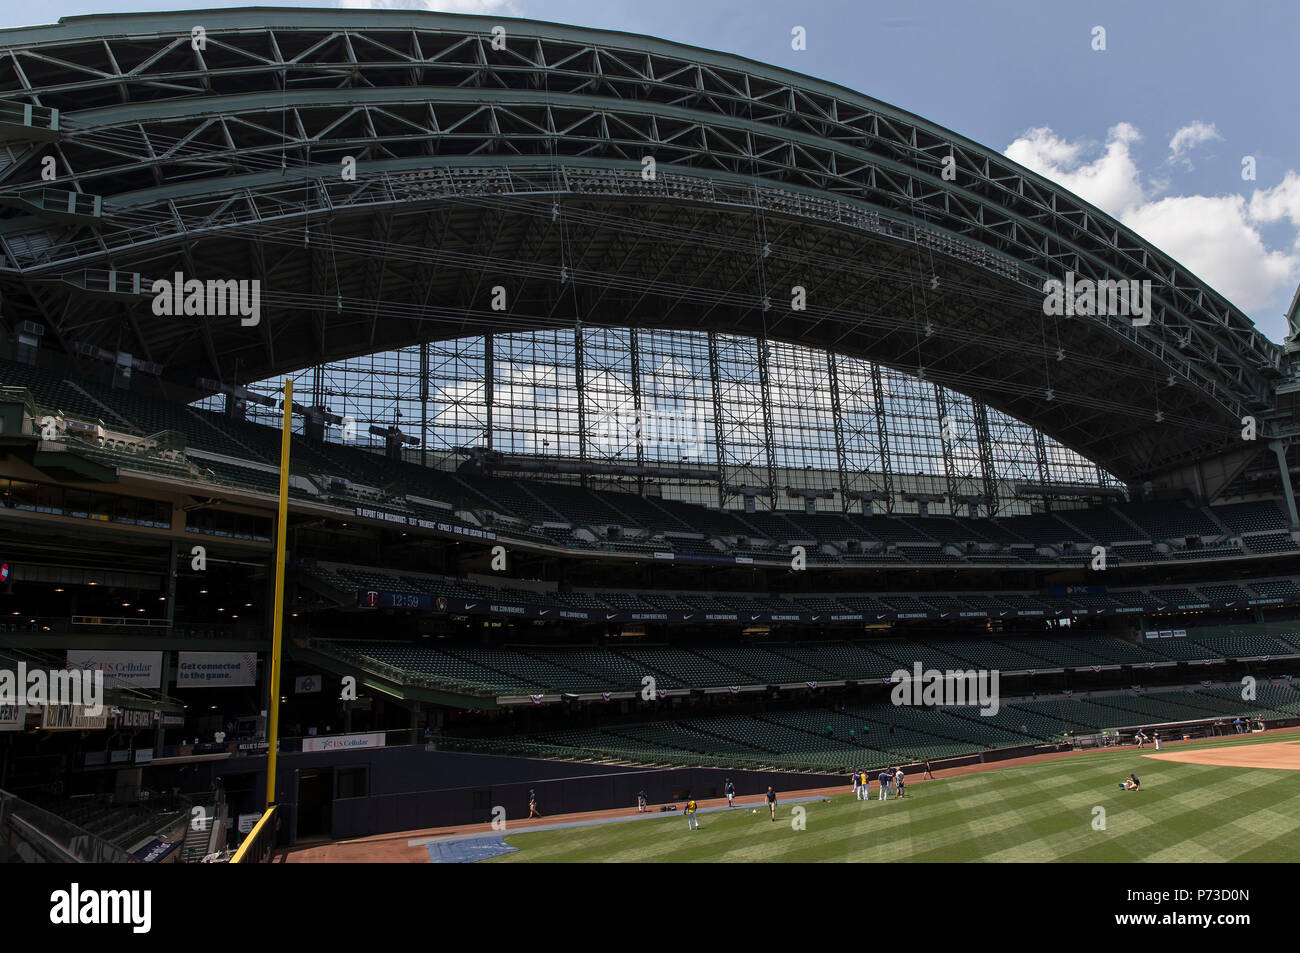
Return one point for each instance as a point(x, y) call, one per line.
point(411, 787)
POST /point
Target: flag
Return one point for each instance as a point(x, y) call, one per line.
point(1097, 668)
point(1206, 682)
point(1068, 691)
point(606, 695)
point(537, 699)
point(811, 684)
point(734, 689)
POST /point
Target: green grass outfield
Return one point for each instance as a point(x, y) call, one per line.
point(1034, 812)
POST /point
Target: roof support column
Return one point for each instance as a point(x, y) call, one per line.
point(837, 419)
point(1283, 471)
point(579, 383)
point(1040, 451)
point(986, 456)
point(719, 441)
point(882, 435)
point(424, 403)
point(489, 387)
point(765, 392)
point(945, 441)
point(634, 358)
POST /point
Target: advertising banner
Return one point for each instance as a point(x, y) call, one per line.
point(216, 669)
point(344, 742)
point(121, 669)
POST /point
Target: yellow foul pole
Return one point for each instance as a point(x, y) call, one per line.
point(277, 619)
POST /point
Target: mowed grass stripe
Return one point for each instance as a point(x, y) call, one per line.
point(661, 839)
point(1036, 809)
point(1035, 812)
point(1254, 798)
point(1069, 832)
point(1180, 815)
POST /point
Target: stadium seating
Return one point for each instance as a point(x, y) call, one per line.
point(887, 734)
point(1255, 517)
point(1276, 589)
point(1270, 543)
point(1169, 520)
point(1101, 525)
point(537, 510)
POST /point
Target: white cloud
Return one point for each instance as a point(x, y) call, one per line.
point(1111, 181)
point(1280, 202)
point(501, 7)
point(1192, 135)
point(1217, 237)
point(1188, 138)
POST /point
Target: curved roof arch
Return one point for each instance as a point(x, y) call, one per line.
point(523, 168)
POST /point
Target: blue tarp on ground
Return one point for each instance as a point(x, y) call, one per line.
point(468, 851)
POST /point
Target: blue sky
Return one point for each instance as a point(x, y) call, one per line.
point(1153, 129)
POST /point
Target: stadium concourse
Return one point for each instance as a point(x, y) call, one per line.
point(656, 416)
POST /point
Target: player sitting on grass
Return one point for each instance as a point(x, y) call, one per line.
point(1131, 783)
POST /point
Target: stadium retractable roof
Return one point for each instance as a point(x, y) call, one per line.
point(219, 144)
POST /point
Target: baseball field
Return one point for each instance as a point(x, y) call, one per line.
point(1235, 799)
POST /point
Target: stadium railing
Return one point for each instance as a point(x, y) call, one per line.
point(31, 834)
point(259, 845)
